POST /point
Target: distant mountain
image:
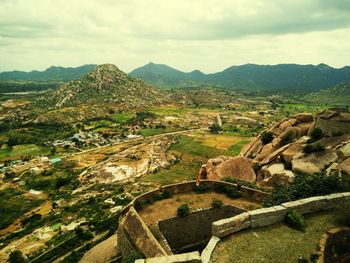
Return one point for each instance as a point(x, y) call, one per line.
point(52, 74)
point(161, 75)
point(249, 77)
point(106, 84)
point(335, 96)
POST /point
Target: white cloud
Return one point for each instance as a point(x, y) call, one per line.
point(206, 34)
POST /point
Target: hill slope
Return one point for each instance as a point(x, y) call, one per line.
point(52, 74)
point(250, 76)
point(162, 75)
point(106, 84)
point(338, 95)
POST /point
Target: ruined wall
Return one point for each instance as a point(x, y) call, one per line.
point(268, 216)
point(185, 233)
point(134, 235)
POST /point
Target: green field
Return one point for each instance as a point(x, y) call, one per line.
point(121, 118)
point(190, 146)
point(19, 151)
point(235, 149)
point(277, 243)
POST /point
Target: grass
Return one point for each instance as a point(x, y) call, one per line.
point(121, 118)
point(155, 131)
point(18, 151)
point(192, 147)
point(235, 149)
point(175, 174)
point(277, 243)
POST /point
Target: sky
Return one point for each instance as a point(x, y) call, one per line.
point(209, 35)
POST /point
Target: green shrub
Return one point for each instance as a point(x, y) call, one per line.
point(201, 188)
point(232, 192)
point(303, 260)
point(295, 220)
point(16, 256)
point(130, 258)
point(215, 128)
point(310, 148)
point(287, 138)
point(216, 203)
point(163, 195)
point(267, 137)
point(316, 134)
point(305, 186)
point(183, 210)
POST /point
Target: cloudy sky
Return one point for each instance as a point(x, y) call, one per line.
point(209, 35)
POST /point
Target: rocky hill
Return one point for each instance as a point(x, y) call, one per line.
point(105, 84)
point(296, 145)
point(281, 77)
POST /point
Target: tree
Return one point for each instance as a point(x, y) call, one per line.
point(215, 128)
point(267, 137)
point(16, 256)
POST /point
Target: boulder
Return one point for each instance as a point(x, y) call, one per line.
point(277, 131)
point(276, 142)
point(315, 162)
point(303, 117)
point(266, 150)
point(292, 121)
point(344, 151)
point(274, 155)
point(234, 167)
point(305, 127)
point(292, 151)
point(276, 174)
point(345, 166)
point(284, 125)
point(255, 149)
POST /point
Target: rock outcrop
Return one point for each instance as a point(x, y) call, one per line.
point(233, 167)
point(278, 153)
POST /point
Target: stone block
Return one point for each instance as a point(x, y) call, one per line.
point(192, 257)
point(230, 225)
point(334, 200)
point(206, 253)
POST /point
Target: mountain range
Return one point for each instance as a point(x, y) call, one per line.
point(249, 77)
point(52, 74)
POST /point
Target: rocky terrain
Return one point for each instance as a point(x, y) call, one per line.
point(298, 144)
point(105, 84)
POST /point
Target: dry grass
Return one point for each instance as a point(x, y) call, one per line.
point(277, 243)
point(167, 208)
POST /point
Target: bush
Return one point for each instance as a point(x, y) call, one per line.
point(316, 134)
point(183, 210)
point(287, 138)
point(130, 258)
point(305, 186)
point(201, 188)
point(267, 137)
point(232, 192)
point(16, 256)
point(295, 220)
point(215, 128)
point(310, 148)
point(216, 203)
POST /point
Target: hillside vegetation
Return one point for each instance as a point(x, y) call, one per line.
point(250, 76)
point(338, 95)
